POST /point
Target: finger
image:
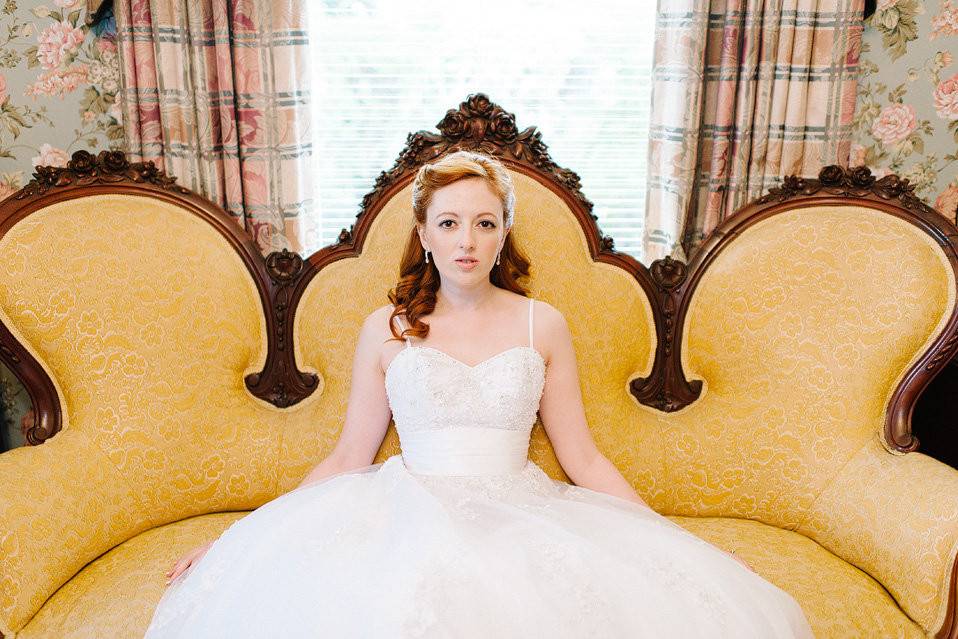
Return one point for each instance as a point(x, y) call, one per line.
point(175, 571)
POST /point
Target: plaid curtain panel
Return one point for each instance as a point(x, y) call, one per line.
point(743, 93)
point(216, 93)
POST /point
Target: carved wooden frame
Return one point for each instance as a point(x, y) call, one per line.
point(480, 125)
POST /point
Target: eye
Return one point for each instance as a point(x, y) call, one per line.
point(492, 224)
point(443, 222)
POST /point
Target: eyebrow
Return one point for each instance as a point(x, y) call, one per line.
point(457, 215)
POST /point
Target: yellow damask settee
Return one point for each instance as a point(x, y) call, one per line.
point(759, 395)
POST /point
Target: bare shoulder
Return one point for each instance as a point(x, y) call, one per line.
point(549, 314)
point(551, 331)
point(383, 313)
point(375, 336)
point(378, 321)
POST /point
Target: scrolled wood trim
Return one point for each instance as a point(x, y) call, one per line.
point(280, 382)
point(109, 167)
point(481, 125)
point(666, 388)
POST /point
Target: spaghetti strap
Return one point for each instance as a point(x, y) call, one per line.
point(531, 300)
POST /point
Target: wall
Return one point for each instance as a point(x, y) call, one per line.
point(907, 115)
point(58, 84)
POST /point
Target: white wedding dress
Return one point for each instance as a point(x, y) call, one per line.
point(462, 536)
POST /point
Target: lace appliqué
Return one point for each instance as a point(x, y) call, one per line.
point(428, 389)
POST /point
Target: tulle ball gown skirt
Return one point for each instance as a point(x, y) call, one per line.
point(383, 551)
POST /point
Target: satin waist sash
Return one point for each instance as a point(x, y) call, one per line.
point(465, 451)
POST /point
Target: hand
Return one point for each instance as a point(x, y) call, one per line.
point(741, 561)
point(189, 559)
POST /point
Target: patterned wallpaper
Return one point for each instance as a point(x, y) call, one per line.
point(59, 81)
point(58, 84)
point(906, 121)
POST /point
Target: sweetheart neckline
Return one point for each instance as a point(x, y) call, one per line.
point(460, 362)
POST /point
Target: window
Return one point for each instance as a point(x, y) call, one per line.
point(579, 71)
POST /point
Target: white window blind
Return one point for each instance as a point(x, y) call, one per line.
point(579, 71)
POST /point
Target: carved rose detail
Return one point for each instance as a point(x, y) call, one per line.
point(862, 176)
point(503, 126)
point(284, 265)
point(454, 125)
point(668, 273)
point(477, 125)
point(831, 175)
point(113, 161)
point(82, 162)
point(107, 166)
point(479, 104)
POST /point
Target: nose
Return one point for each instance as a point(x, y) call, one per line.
point(465, 239)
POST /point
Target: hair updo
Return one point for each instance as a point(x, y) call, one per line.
point(458, 166)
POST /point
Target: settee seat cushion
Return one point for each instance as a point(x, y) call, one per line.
point(839, 600)
point(115, 595)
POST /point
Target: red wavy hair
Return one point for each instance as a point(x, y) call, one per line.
point(415, 293)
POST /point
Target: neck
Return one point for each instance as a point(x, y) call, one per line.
point(465, 299)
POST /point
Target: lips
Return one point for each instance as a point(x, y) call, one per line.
point(467, 265)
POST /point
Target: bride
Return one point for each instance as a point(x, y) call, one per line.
point(462, 535)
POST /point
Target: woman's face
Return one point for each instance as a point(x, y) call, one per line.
point(464, 220)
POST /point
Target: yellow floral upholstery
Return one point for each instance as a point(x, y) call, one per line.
point(839, 599)
point(147, 322)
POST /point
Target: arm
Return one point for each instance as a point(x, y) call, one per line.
point(367, 412)
point(563, 414)
point(367, 418)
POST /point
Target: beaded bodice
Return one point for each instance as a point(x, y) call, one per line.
point(454, 417)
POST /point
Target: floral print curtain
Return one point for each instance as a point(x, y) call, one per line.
point(744, 92)
point(215, 92)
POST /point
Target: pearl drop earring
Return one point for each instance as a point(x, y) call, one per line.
point(427, 257)
point(498, 253)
